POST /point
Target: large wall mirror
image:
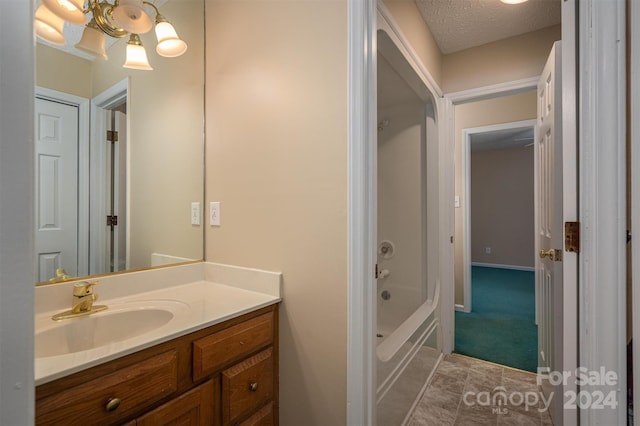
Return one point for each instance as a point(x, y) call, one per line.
point(120, 153)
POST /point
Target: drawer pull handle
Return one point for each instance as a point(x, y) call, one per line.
point(253, 386)
point(113, 404)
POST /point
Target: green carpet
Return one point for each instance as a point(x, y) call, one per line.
point(501, 326)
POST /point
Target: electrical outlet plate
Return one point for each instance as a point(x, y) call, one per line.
point(195, 213)
point(214, 213)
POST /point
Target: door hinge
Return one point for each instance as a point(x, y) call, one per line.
point(112, 220)
point(112, 136)
point(572, 237)
point(376, 272)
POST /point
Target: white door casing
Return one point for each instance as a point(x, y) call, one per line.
point(549, 232)
point(100, 104)
point(56, 188)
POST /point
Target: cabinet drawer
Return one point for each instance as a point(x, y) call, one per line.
point(264, 417)
point(213, 352)
point(247, 386)
point(136, 386)
point(194, 408)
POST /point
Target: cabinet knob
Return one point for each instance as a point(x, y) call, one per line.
point(112, 404)
point(253, 386)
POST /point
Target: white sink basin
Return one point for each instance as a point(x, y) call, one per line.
point(118, 323)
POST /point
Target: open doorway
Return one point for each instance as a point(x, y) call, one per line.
point(498, 320)
point(109, 196)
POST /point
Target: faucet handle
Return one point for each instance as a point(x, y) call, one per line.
point(83, 288)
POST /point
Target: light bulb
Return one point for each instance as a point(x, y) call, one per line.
point(69, 10)
point(136, 55)
point(49, 26)
point(169, 44)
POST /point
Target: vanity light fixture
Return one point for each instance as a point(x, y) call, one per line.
point(513, 1)
point(117, 19)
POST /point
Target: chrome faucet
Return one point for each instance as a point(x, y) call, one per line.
point(82, 302)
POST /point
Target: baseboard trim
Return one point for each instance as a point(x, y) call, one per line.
point(459, 307)
point(500, 266)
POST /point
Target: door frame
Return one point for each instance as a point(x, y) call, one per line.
point(634, 90)
point(603, 238)
point(83, 168)
point(466, 208)
point(602, 199)
point(115, 95)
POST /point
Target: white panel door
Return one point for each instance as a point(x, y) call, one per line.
point(56, 188)
point(549, 238)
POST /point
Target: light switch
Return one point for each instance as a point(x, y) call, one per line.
point(456, 201)
point(214, 213)
point(195, 213)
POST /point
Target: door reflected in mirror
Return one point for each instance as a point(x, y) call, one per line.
point(120, 155)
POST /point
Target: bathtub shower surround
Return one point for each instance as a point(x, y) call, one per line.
point(409, 344)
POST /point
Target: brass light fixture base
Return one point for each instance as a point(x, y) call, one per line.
point(102, 12)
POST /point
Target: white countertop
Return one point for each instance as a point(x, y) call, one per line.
point(195, 305)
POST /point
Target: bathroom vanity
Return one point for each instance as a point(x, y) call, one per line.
point(215, 363)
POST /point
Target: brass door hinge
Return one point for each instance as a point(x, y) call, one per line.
point(112, 220)
point(112, 136)
point(376, 272)
point(572, 237)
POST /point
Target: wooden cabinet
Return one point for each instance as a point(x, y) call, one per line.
point(223, 375)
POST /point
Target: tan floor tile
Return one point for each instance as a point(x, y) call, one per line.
point(475, 416)
point(486, 368)
point(513, 418)
point(447, 383)
point(486, 380)
point(523, 376)
point(432, 416)
point(455, 371)
point(438, 398)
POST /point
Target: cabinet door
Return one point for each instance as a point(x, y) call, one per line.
point(194, 408)
point(247, 386)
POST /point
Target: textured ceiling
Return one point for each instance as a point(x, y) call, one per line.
point(460, 24)
point(502, 139)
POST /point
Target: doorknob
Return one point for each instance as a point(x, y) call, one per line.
point(552, 254)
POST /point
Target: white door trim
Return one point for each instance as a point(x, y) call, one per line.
point(17, 201)
point(361, 287)
point(602, 200)
point(83, 169)
point(111, 97)
point(634, 78)
point(466, 210)
point(493, 91)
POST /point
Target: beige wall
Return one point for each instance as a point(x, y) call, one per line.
point(502, 207)
point(475, 114)
point(166, 110)
point(277, 161)
point(62, 71)
point(502, 61)
point(418, 34)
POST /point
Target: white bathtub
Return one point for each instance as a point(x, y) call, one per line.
point(408, 353)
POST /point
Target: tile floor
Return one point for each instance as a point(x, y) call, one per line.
point(462, 392)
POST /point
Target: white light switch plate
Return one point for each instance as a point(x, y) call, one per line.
point(214, 213)
point(195, 213)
